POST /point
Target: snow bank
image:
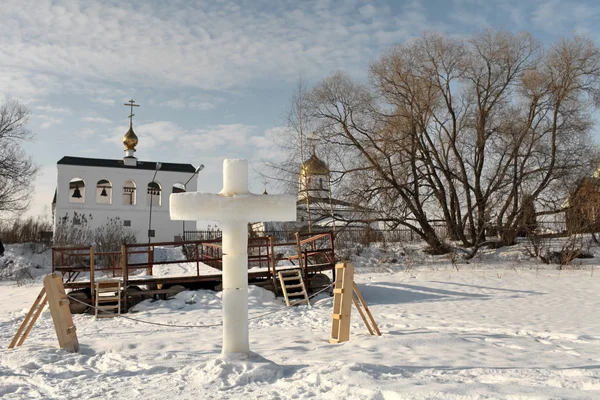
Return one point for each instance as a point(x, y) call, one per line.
point(25, 262)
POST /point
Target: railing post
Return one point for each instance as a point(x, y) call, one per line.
point(299, 249)
point(197, 260)
point(150, 259)
point(124, 273)
point(92, 273)
point(273, 262)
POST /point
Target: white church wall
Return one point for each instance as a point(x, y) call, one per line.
point(138, 214)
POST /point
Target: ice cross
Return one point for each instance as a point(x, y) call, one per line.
point(234, 207)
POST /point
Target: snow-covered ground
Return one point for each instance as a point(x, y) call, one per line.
point(500, 327)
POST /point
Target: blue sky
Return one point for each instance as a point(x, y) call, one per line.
point(214, 78)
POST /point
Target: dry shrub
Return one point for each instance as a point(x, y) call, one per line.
point(27, 230)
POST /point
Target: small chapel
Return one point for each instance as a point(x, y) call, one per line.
point(134, 193)
point(317, 209)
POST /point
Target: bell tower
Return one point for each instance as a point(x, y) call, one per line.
point(313, 179)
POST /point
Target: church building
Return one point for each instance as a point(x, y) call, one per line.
point(317, 209)
point(316, 206)
point(135, 193)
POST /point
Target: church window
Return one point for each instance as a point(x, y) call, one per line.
point(103, 192)
point(76, 191)
point(129, 193)
point(321, 183)
point(153, 194)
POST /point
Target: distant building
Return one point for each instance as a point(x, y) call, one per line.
point(316, 208)
point(96, 190)
point(583, 206)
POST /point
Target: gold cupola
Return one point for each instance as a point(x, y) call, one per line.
point(314, 166)
point(130, 140)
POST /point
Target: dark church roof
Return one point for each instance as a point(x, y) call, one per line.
point(105, 163)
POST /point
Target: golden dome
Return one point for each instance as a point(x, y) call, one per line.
point(130, 140)
point(314, 166)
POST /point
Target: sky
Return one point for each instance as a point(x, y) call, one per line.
point(214, 79)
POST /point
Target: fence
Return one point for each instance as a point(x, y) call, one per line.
point(354, 235)
point(342, 235)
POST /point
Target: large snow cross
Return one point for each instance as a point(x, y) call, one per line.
point(234, 207)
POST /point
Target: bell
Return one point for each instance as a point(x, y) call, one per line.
point(76, 193)
point(104, 194)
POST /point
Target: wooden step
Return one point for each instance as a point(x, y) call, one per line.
point(295, 294)
point(299, 285)
point(112, 307)
point(107, 291)
point(115, 290)
point(108, 298)
point(294, 276)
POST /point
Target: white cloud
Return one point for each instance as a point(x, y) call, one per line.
point(96, 120)
point(194, 104)
point(226, 136)
point(57, 110)
point(49, 121)
point(85, 133)
point(216, 45)
point(103, 101)
point(556, 16)
point(367, 10)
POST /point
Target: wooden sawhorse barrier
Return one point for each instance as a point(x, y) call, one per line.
point(52, 293)
point(345, 294)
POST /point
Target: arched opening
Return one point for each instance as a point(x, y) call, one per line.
point(77, 191)
point(129, 193)
point(178, 188)
point(104, 192)
point(153, 194)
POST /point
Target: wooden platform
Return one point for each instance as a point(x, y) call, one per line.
point(80, 266)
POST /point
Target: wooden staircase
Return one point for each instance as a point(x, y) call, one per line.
point(108, 298)
point(292, 286)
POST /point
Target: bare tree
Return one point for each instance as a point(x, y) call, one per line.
point(487, 130)
point(17, 171)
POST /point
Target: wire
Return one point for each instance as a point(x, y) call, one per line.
point(193, 326)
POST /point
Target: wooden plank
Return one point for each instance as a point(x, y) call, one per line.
point(342, 303)
point(285, 296)
point(367, 311)
point(61, 314)
point(104, 299)
point(313, 238)
point(296, 294)
point(30, 318)
point(362, 315)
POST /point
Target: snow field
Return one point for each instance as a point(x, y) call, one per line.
point(497, 328)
